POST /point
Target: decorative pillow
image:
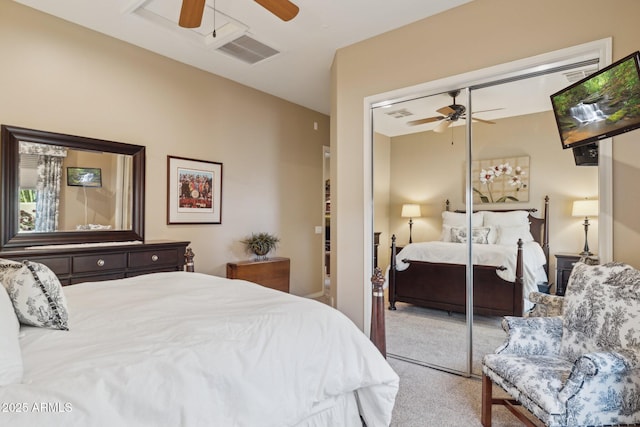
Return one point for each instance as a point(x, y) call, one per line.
point(478, 235)
point(506, 219)
point(601, 309)
point(509, 236)
point(11, 367)
point(36, 294)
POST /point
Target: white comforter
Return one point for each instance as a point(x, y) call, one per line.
point(186, 349)
point(493, 255)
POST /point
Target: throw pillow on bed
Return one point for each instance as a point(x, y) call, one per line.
point(10, 355)
point(478, 235)
point(36, 294)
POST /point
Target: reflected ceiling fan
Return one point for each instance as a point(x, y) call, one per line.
point(449, 114)
point(192, 10)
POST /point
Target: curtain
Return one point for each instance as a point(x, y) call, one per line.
point(50, 158)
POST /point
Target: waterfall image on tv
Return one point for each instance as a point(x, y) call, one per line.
point(601, 105)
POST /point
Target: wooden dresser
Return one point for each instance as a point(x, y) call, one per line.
point(272, 273)
point(106, 262)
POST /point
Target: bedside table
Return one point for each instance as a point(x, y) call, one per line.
point(564, 265)
point(272, 273)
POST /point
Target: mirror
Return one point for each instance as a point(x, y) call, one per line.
point(64, 189)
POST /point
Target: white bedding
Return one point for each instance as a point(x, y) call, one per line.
point(187, 349)
point(493, 255)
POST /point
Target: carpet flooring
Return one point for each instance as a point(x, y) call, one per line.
point(435, 337)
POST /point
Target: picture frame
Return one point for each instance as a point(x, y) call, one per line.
point(84, 177)
point(194, 191)
point(501, 180)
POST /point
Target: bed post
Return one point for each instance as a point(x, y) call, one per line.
point(518, 304)
point(188, 260)
point(545, 237)
point(377, 312)
point(392, 274)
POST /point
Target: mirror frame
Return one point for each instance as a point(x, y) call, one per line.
point(9, 189)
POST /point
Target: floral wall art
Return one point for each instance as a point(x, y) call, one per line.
point(500, 180)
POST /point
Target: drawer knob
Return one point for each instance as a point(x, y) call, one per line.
point(154, 258)
point(100, 262)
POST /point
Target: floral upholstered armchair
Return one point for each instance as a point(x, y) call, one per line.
point(578, 369)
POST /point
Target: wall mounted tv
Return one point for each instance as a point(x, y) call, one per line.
point(602, 105)
point(84, 177)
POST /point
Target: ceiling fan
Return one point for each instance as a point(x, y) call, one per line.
point(192, 10)
point(450, 113)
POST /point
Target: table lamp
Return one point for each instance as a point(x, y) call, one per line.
point(410, 211)
point(585, 208)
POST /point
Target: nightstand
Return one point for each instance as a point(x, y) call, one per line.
point(272, 273)
point(564, 265)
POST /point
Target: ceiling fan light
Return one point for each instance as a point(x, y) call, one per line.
point(442, 126)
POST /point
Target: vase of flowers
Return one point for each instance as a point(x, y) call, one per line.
point(260, 244)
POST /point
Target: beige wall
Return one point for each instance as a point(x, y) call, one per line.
point(100, 202)
point(487, 33)
point(60, 77)
point(427, 168)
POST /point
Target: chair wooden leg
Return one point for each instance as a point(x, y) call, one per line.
point(487, 401)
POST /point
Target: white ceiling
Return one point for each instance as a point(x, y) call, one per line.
point(300, 73)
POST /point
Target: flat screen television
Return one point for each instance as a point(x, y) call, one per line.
point(602, 105)
point(84, 177)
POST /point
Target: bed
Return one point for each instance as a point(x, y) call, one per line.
point(180, 348)
point(505, 271)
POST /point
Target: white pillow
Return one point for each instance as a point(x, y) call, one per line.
point(459, 219)
point(36, 294)
point(11, 367)
point(509, 236)
point(506, 219)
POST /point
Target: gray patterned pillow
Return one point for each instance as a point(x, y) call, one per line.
point(478, 235)
point(36, 294)
point(601, 309)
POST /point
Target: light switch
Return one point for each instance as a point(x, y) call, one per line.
point(318, 229)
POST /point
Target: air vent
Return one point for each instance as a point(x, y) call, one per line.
point(398, 114)
point(574, 76)
point(248, 50)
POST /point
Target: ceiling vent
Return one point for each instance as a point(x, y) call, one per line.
point(248, 50)
point(398, 114)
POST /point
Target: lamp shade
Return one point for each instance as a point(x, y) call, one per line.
point(410, 211)
point(585, 208)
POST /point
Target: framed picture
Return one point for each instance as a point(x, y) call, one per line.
point(504, 180)
point(84, 177)
point(194, 191)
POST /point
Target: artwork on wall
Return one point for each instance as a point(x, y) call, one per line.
point(500, 180)
point(194, 194)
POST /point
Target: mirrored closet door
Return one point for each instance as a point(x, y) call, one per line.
point(430, 167)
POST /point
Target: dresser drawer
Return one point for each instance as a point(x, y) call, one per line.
point(154, 258)
point(97, 263)
point(59, 265)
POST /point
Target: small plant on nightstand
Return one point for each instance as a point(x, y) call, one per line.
point(260, 244)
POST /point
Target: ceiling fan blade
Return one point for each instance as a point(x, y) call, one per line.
point(484, 111)
point(442, 126)
point(426, 120)
point(475, 119)
point(445, 111)
point(283, 9)
point(191, 13)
